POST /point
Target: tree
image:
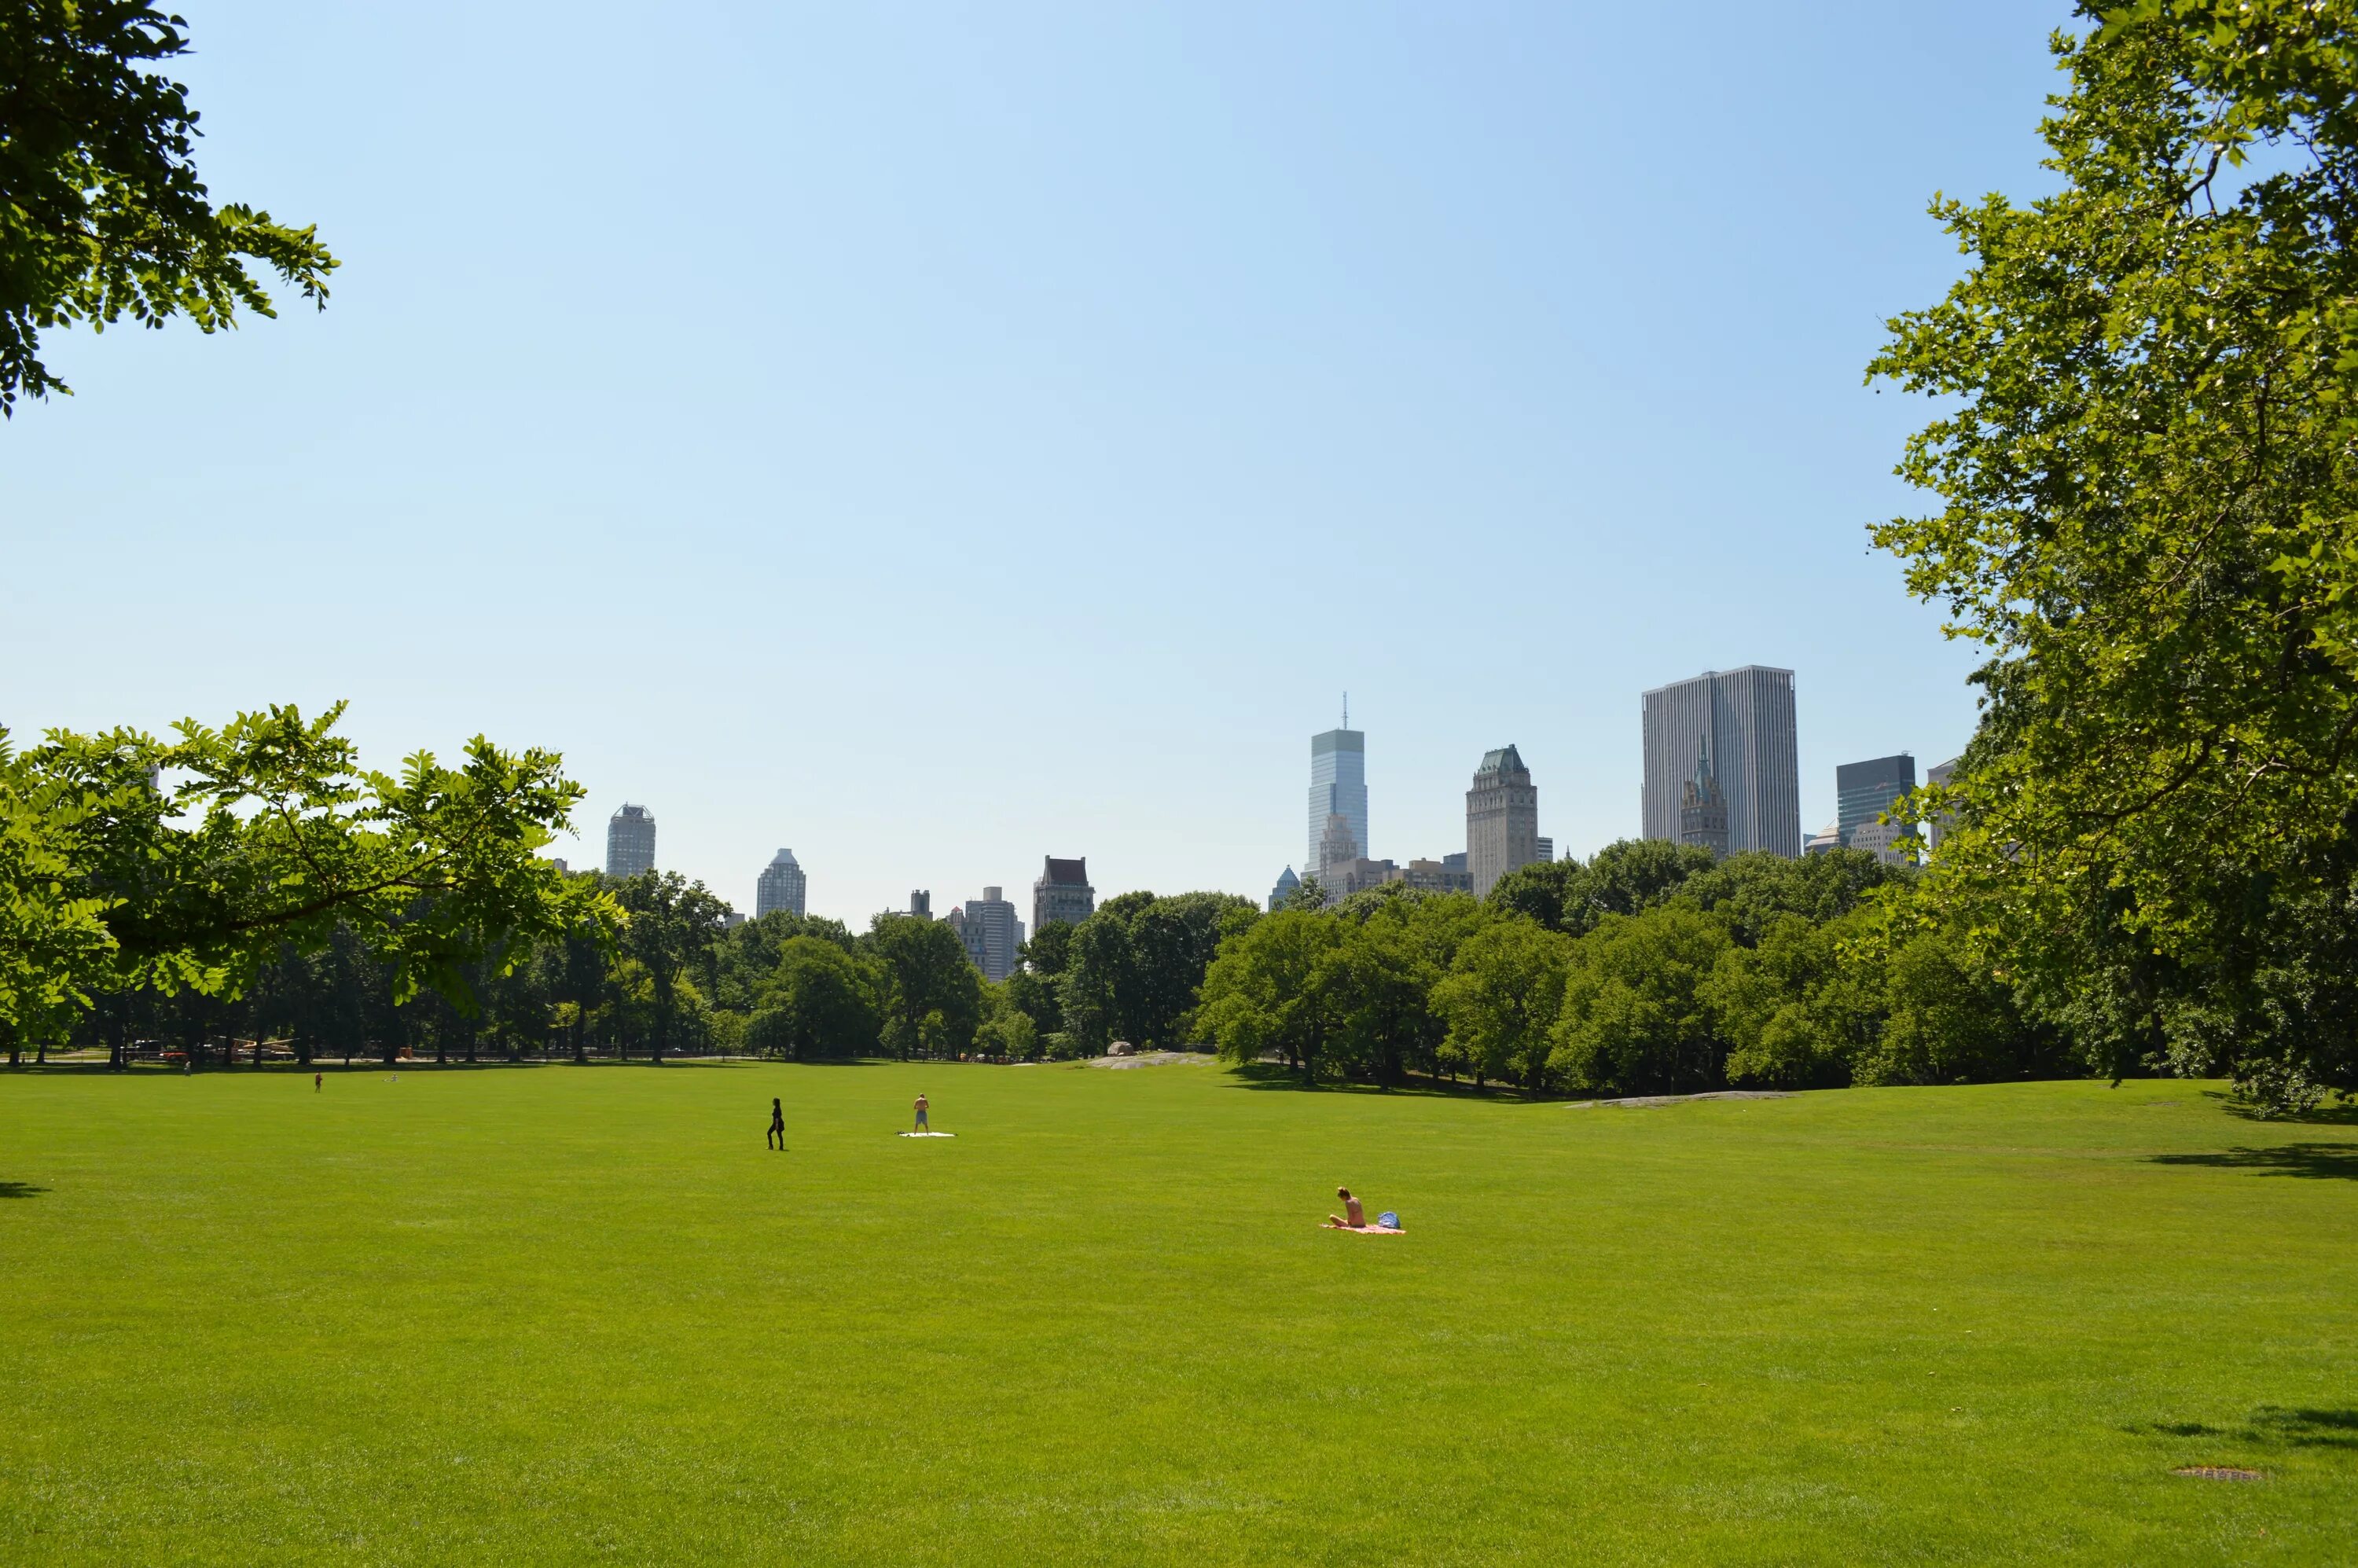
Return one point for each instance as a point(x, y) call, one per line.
point(104, 215)
point(670, 925)
point(1749, 890)
point(1134, 969)
point(1501, 997)
point(1268, 992)
point(817, 1003)
point(1636, 1017)
point(1791, 1014)
point(1537, 891)
point(1006, 1030)
point(132, 863)
point(933, 994)
point(2149, 527)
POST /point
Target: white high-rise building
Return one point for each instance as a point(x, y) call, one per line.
point(993, 935)
point(631, 841)
point(1744, 720)
point(1338, 785)
point(782, 887)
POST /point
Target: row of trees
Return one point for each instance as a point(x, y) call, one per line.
point(1653, 969)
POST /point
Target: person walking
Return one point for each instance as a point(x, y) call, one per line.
point(777, 1139)
point(923, 1125)
point(314, 1083)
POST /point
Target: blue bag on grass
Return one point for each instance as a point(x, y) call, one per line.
point(1388, 1220)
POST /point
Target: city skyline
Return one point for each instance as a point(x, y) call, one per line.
point(1540, 847)
point(1046, 366)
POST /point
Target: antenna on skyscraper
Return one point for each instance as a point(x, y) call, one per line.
point(1346, 711)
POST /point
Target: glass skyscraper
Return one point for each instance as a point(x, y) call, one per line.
point(1338, 786)
point(781, 888)
point(631, 841)
point(1864, 791)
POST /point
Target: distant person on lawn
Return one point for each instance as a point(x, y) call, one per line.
point(1353, 1217)
point(923, 1125)
point(777, 1138)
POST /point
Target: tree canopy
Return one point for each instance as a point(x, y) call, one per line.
point(2148, 467)
point(102, 214)
point(190, 864)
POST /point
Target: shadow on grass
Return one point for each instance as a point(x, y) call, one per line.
point(2275, 1426)
point(2317, 1161)
point(21, 1190)
point(1273, 1075)
point(2342, 1115)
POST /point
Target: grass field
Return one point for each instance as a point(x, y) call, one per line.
point(564, 1314)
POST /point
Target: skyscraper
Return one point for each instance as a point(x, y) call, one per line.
point(630, 841)
point(1864, 791)
point(991, 933)
point(1286, 885)
point(1338, 784)
point(1703, 809)
point(1062, 892)
point(1746, 718)
point(781, 888)
point(1502, 818)
point(1547, 849)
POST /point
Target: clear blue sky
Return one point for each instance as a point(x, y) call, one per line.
point(935, 437)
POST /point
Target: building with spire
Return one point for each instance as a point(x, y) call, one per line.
point(1502, 818)
point(1288, 884)
point(781, 888)
point(1338, 784)
point(1703, 808)
point(631, 841)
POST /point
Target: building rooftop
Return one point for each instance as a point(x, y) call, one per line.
point(1066, 873)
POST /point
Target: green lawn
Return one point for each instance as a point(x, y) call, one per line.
point(560, 1313)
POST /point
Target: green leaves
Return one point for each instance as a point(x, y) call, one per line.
point(188, 864)
point(2147, 523)
point(102, 215)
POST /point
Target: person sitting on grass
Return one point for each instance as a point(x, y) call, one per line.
point(1353, 1217)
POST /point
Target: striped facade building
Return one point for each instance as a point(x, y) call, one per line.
point(1745, 718)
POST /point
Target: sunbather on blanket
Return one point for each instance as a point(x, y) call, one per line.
point(1353, 1217)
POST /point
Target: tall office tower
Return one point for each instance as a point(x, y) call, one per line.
point(1745, 717)
point(1502, 818)
point(1864, 791)
point(1703, 809)
point(630, 841)
point(991, 933)
point(1338, 784)
point(1286, 885)
point(1062, 892)
point(781, 887)
point(921, 902)
point(1938, 828)
point(1547, 849)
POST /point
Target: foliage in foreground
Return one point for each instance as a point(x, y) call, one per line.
point(2149, 471)
point(130, 866)
point(102, 214)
